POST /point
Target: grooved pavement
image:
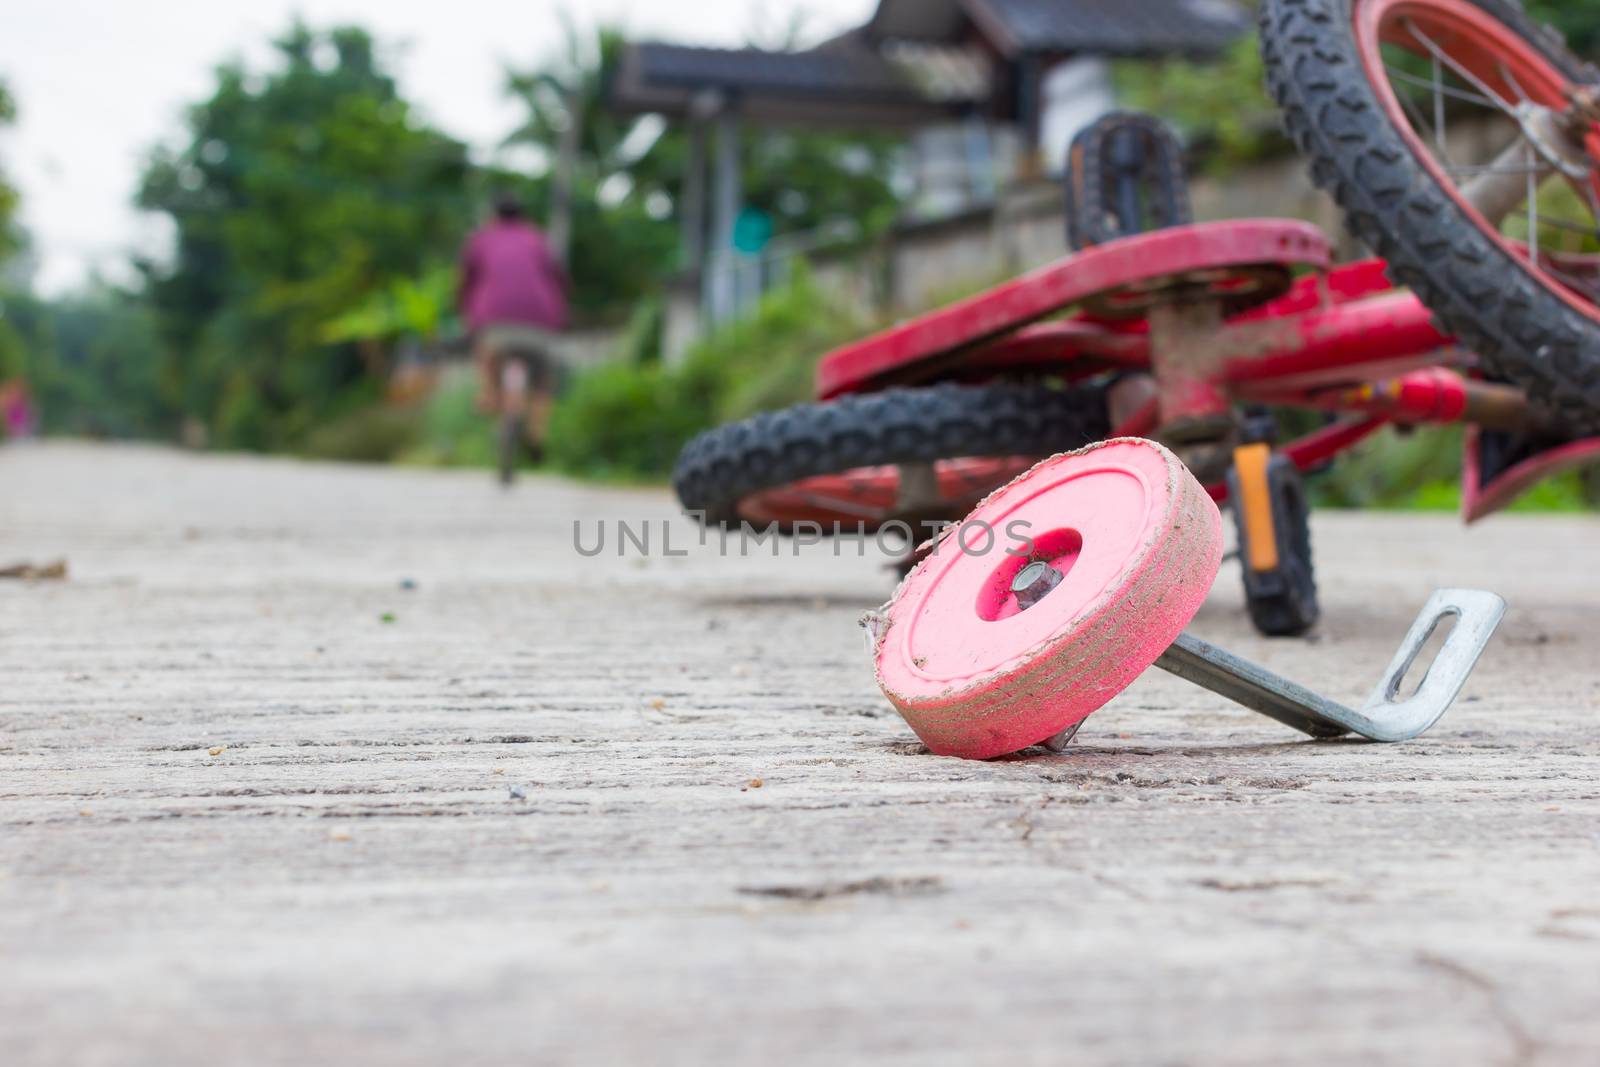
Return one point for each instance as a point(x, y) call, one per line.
point(515, 823)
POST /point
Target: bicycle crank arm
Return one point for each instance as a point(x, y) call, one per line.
point(1385, 716)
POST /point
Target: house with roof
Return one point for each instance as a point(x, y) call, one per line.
point(986, 92)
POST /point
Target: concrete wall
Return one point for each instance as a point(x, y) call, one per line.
point(922, 264)
point(933, 261)
point(581, 349)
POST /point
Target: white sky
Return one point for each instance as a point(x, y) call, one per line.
point(98, 82)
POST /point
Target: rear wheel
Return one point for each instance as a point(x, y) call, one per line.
point(1461, 140)
point(903, 455)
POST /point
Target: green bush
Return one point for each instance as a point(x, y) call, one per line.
point(769, 359)
point(1421, 471)
point(1563, 494)
point(368, 435)
point(630, 419)
point(447, 431)
point(451, 431)
point(1386, 470)
point(1220, 106)
point(626, 422)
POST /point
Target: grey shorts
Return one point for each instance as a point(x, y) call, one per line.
point(530, 344)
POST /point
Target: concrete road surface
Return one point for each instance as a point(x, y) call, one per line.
point(320, 764)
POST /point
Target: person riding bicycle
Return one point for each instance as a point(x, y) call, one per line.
point(513, 298)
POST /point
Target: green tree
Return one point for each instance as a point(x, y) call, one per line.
point(11, 237)
point(1222, 105)
point(630, 174)
point(300, 192)
point(619, 248)
point(91, 359)
point(1580, 23)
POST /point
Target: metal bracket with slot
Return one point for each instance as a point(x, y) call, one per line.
point(1385, 716)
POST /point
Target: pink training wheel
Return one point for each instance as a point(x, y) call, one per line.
point(1051, 598)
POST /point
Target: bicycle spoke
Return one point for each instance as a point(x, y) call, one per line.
point(1533, 206)
point(1584, 287)
point(1511, 80)
point(1563, 224)
point(1462, 72)
point(1594, 201)
point(1475, 170)
point(1441, 90)
point(1438, 104)
point(1439, 63)
point(1420, 124)
point(1436, 128)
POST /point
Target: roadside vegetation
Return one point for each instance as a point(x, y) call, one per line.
point(317, 216)
point(307, 305)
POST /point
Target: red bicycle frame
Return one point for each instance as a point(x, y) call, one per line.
point(1173, 305)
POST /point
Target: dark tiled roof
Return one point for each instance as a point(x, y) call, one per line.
point(1117, 27)
point(831, 71)
point(915, 60)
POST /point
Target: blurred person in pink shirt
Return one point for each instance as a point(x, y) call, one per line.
point(513, 299)
point(16, 411)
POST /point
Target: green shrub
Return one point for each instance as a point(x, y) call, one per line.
point(1564, 494)
point(451, 431)
point(620, 421)
point(645, 336)
point(629, 420)
point(768, 360)
point(1421, 471)
point(367, 435)
point(1386, 470)
point(1220, 106)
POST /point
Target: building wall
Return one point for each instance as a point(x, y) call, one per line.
point(922, 264)
point(1076, 93)
point(929, 262)
point(581, 349)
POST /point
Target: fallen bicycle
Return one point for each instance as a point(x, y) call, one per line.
point(1483, 311)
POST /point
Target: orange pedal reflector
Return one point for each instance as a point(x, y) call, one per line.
point(1255, 505)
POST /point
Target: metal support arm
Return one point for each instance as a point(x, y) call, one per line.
point(1383, 717)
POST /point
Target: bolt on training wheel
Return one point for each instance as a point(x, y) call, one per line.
point(1049, 600)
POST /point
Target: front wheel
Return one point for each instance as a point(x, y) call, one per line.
point(1461, 139)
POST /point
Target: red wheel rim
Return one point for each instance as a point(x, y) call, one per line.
point(1474, 49)
point(868, 497)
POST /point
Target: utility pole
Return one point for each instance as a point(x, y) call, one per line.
point(565, 177)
